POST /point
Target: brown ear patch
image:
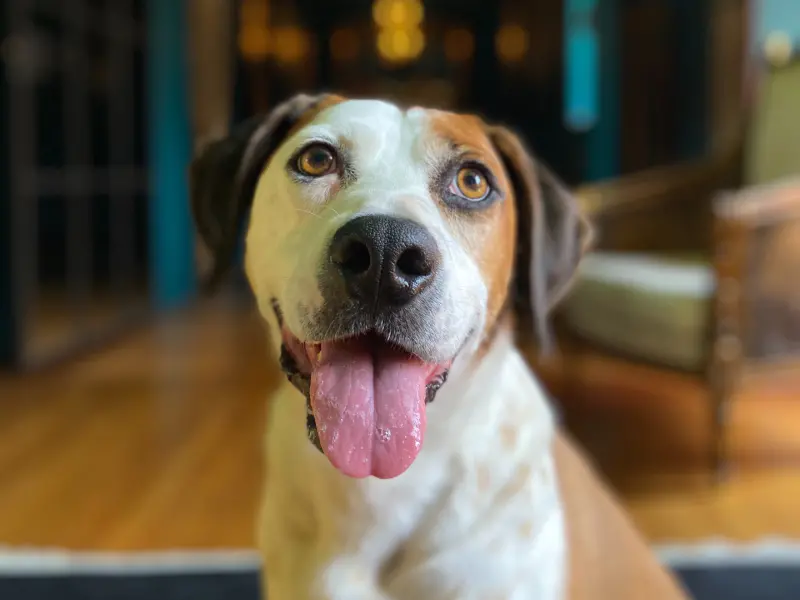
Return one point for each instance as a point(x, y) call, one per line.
point(552, 234)
point(489, 235)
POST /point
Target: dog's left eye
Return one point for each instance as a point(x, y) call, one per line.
point(470, 183)
point(316, 161)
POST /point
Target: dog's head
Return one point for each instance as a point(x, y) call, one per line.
point(382, 244)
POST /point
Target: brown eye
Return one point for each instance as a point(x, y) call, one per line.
point(316, 161)
point(471, 183)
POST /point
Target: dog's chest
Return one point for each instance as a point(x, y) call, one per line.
point(477, 517)
point(472, 533)
point(497, 534)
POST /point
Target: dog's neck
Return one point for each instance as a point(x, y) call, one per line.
point(485, 385)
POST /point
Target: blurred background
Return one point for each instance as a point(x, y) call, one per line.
point(131, 409)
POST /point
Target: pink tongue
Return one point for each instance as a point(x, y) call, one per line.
point(369, 406)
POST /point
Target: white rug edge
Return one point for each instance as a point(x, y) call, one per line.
point(21, 560)
point(721, 552)
point(35, 561)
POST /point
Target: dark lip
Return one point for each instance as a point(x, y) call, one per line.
point(302, 381)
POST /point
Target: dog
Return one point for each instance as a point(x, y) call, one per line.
point(411, 453)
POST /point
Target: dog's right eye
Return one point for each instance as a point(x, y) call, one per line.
point(317, 160)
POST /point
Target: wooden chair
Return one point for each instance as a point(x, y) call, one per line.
point(688, 276)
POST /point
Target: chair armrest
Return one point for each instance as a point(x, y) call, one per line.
point(661, 185)
point(666, 209)
point(756, 261)
point(761, 206)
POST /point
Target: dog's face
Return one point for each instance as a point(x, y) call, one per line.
point(382, 244)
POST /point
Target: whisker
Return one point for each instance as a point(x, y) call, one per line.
point(308, 212)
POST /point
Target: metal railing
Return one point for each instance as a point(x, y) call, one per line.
point(77, 182)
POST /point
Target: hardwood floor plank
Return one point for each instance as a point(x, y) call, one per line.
point(155, 443)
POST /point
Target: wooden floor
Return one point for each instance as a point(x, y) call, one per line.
point(154, 443)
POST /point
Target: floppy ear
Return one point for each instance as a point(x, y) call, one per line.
point(552, 234)
point(224, 175)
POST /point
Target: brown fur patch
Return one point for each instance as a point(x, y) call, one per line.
point(488, 235)
point(508, 435)
point(325, 101)
point(484, 478)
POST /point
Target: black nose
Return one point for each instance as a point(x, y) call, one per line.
point(384, 260)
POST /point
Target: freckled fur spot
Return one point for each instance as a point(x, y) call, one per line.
point(517, 483)
point(508, 434)
point(526, 529)
point(484, 478)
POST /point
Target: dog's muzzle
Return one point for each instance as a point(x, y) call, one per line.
point(370, 361)
point(384, 262)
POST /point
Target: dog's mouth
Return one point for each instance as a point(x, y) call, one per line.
point(365, 400)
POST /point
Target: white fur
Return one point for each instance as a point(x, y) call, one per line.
point(291, 224)
point(478, 514)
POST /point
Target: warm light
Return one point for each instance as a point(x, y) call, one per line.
point(416, 13)
point(511, 43)
point(458, 45)
point(400, 38)
point(254, 12)
point(254, 43)
point(400, 45)
point(344, 44)
point(291, 44)
point(379, 13)
point(254, 36)
point(398, 13)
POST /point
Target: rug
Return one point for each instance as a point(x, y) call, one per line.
point(718, 571)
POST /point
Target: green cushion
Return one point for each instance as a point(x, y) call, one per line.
point(773, 150)
point(655, 307)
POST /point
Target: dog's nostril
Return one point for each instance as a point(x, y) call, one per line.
point(383, 261)
point(413, 262)
point(354, 257)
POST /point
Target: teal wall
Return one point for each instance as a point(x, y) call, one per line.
point(172, 269)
